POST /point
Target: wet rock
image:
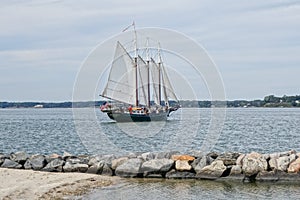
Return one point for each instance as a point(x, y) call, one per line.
point(157, 166)
point(131, 168)
point(77, 167)
point(288, 177)
point(56, 165)
point(153, 176)
point(182, 165)
point(19, 157)
point(11, 164)
point(294, 166)
point(267, 176)
point(199, 163)
point(228, 158)
point(35, 162)
point(254, 163)
point(212, 171)
point(173, 174)
point(182, 157)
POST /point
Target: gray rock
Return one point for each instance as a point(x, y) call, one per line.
point(77, 167)
point(35, 162)
point(283, 163)
point(55, 165)
point(148, 156)
point(267, 176)
point(273, 163)
point(182, 165)
point(130, 168)
point(11, 164)
point(19, 157)
point(119, 161)
point(213, 155)
point(236, 170)
point(54, 156)
point(156, 166)
point(105, 158)
point(288, 177)
point(199, 163)
point(212, 171)
point(106, 170)
point(254, 163)
point(196, 154)
point(239, 160)
point(173, 174)
point(228, 158)
point(153, 176)
point(96, 168)
point(166, 155)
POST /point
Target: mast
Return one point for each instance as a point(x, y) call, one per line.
point(136, 67)
point(148, 71)
point(159, 74)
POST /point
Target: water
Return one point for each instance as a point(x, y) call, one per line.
point(265, 130)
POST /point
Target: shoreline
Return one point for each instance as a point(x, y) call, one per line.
point(28, 184)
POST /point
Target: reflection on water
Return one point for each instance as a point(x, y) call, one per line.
point(195, 189)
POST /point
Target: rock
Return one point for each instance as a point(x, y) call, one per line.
point(52, 157)
point(267, 176)
point(196, 154)
point(96, 168)
point(199, 163)
point(131, 168)
point(148, 156)
point(19, 157)
point(182, 157)
point(212, 171)
point(77, 167)
point(11, 164)
point(273, 163)
point(67, 155)
point(166, 155)
point(78, 160)
point(173, 174)
point(294, 166)
point(119, 161)
point(239, 160)
point(213, 155)
point(228, 158)
point(106, 170)
point(182, 165)
point(254, 163)
point(35, 162)
point(288, 177)
point(153, 176)
point(97, 158)
point(282, 163)
point(55, 165)
point(235, 173)
point(157, 166)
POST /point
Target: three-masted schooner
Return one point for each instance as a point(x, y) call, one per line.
point(139, 87)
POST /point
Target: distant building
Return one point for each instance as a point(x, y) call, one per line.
point(38, 106)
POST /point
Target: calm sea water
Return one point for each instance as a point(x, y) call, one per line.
point(88, 131)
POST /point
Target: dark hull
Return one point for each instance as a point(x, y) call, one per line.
point(126, 117)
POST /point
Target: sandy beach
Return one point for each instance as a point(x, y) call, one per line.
point(28, 184)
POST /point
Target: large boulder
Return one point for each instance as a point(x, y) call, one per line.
point(182, 165)
point(105, 158)
point(131, 168)
point(157, 166)
point(75, 167)
point(11, 164)
point(281, 163)
point(182, 157)
point(119, 161)
point(235, 173)
point(173, 174)
point(199, 163)
point(56, 165)
point(212, 171)
point(166, 155)
point(35, 162)
point(254, 163)
point(229, 158)
point(294, 166)
point(19, 157)
point(148, 156)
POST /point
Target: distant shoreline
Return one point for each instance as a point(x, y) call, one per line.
point(270, 101)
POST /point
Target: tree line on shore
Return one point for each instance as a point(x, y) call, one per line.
point(268, 101)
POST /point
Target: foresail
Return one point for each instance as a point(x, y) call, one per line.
point(168, 90)
point(120, 85)
point(142, 80)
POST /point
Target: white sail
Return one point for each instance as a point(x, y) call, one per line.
point(155, 75)
point(168, 91)
point(121, 80)
point(142, 81)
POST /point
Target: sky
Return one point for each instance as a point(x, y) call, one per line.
point(255, 44)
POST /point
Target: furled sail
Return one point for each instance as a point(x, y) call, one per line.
point(142, 81)
point(155, 75)
point(121, 80)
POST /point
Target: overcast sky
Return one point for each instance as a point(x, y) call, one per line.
point(255, 44)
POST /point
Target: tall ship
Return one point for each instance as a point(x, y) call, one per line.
point(138, 88)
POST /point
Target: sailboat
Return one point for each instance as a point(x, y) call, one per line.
point(138, 89)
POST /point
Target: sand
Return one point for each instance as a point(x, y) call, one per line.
point(28, 184)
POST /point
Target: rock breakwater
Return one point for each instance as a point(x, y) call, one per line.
point(283, 166)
